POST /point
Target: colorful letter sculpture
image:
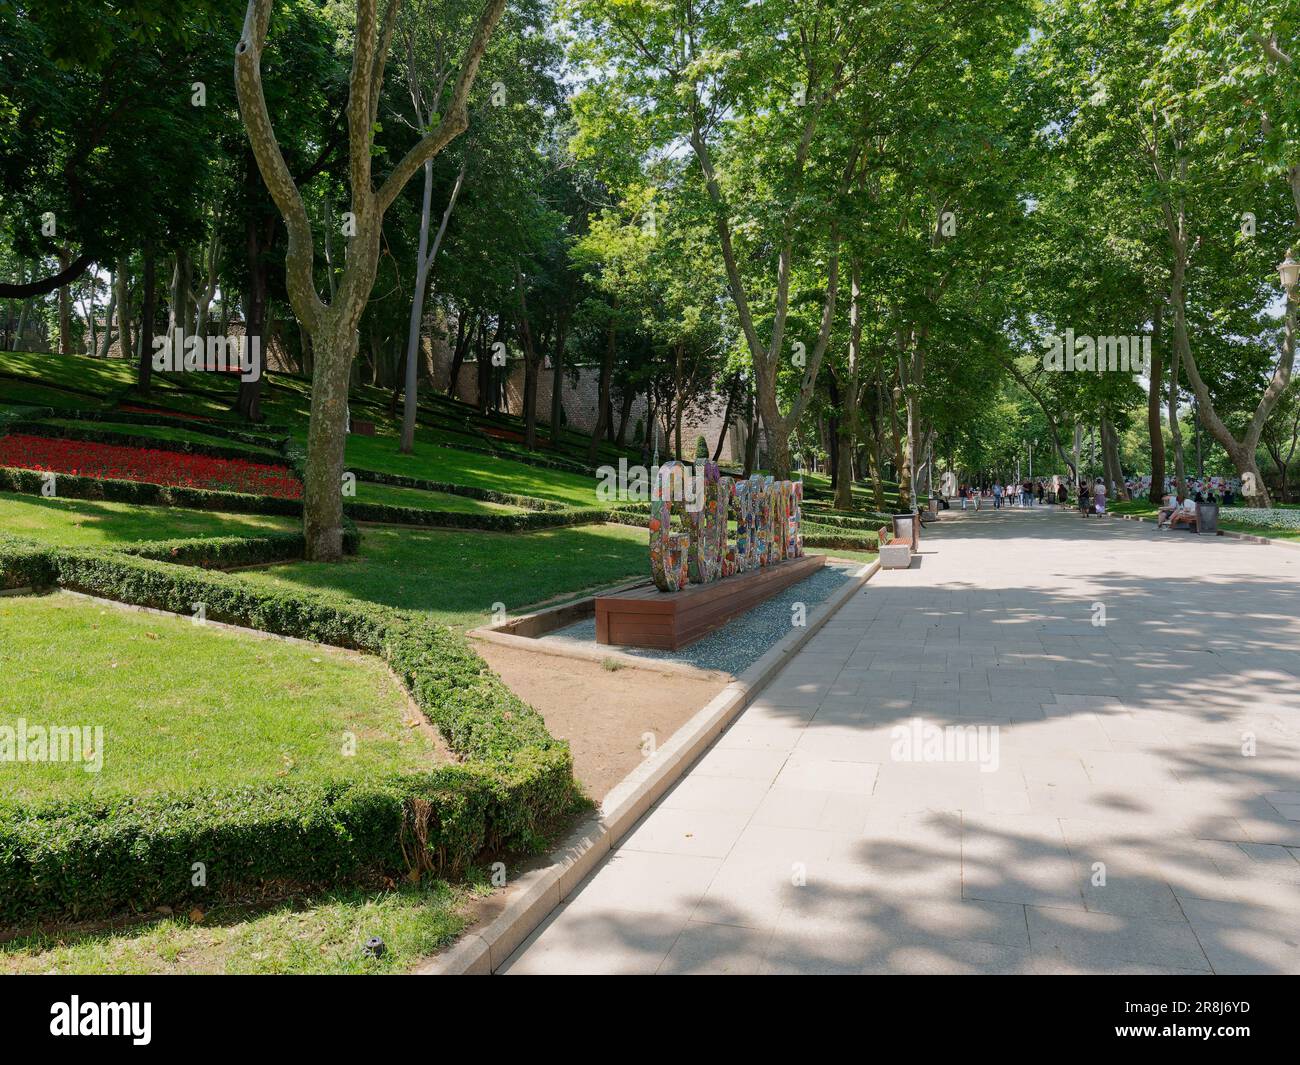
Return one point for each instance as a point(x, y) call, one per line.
point(793, 491)
point(707, 527)
point(768, 518)
point(669, 551)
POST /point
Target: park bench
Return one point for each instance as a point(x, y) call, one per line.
point(895, 552)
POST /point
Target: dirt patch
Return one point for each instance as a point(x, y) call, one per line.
point(602, 713)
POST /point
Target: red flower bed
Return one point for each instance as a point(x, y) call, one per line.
point(84, 459)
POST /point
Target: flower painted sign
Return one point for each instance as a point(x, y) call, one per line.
point(767, 513)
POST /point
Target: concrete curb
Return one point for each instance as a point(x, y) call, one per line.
point(535, 894)
point(1248, 537)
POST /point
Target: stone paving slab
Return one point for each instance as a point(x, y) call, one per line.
point(1132, 804)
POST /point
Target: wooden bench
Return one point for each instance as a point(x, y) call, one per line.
point(895, 552)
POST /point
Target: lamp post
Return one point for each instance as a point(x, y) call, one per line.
point(1289, 272)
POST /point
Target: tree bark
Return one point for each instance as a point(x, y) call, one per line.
point(1155, 423)
point(1175, 430)
point(557, 381)
point(144, 372)
point(606, 376)
point(65, 308)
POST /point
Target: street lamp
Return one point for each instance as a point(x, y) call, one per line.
point(1289, 271)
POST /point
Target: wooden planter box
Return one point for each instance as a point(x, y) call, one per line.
point(646, 617)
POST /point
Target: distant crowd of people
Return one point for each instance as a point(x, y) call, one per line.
point(1092, 495)
point(1225, 490)
point(997, 495)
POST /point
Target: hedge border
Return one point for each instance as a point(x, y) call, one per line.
point(272, 436)
point(96, 857)
point(146, 493)
point(487, 495)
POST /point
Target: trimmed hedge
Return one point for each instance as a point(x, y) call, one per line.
point(146, 493)
point(17, 413)
point(221, 552)
point(267, 435)
point(149, 494)
point(491, 522)
point(95, 857)
point(487, 495)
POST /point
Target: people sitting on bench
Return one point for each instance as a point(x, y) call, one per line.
point(1185, 515)
point(1168, 509)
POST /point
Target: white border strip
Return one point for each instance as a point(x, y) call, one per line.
point(534, 895)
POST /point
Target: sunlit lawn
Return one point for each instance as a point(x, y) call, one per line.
point(325, 934)
point(183, 705)
point(455, 577)
point(97, 523)
point(370, 492)
point(435, 462)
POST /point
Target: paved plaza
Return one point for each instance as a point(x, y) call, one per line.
point(1131, 804)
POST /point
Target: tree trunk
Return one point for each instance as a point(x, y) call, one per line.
point(557, 381)
point(424, 261)
point(124, 340)
point(732, 388)
point(65, 307)
point(606, 375)
point(327, 440)
point(465, 333)
point(106, 339)
point(624, 415)
point(483, 367)
point(1155, 426)
point(144, 374)
point(1175, 430)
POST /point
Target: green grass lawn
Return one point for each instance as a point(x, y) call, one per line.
point(370, 492)
point(97, 523)
point(320, 934)
point(28, 394)
point(103, 377)
point(184, 705)
point(167, 432)
point(432, 462)
point(1256, 530)
point(454, 577)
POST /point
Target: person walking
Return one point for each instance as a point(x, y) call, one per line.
point(997, 495)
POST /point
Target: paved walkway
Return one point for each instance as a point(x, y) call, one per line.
point(1119, 826)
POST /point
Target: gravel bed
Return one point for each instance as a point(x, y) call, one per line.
point(743, 640)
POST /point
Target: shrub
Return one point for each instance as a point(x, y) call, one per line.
point(487, 495)
point(93, 857)
point(701, 449)
point(146, 493)
point(493, 522)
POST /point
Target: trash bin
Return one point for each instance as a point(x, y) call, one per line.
point(1207, 518)
point(908, 527)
